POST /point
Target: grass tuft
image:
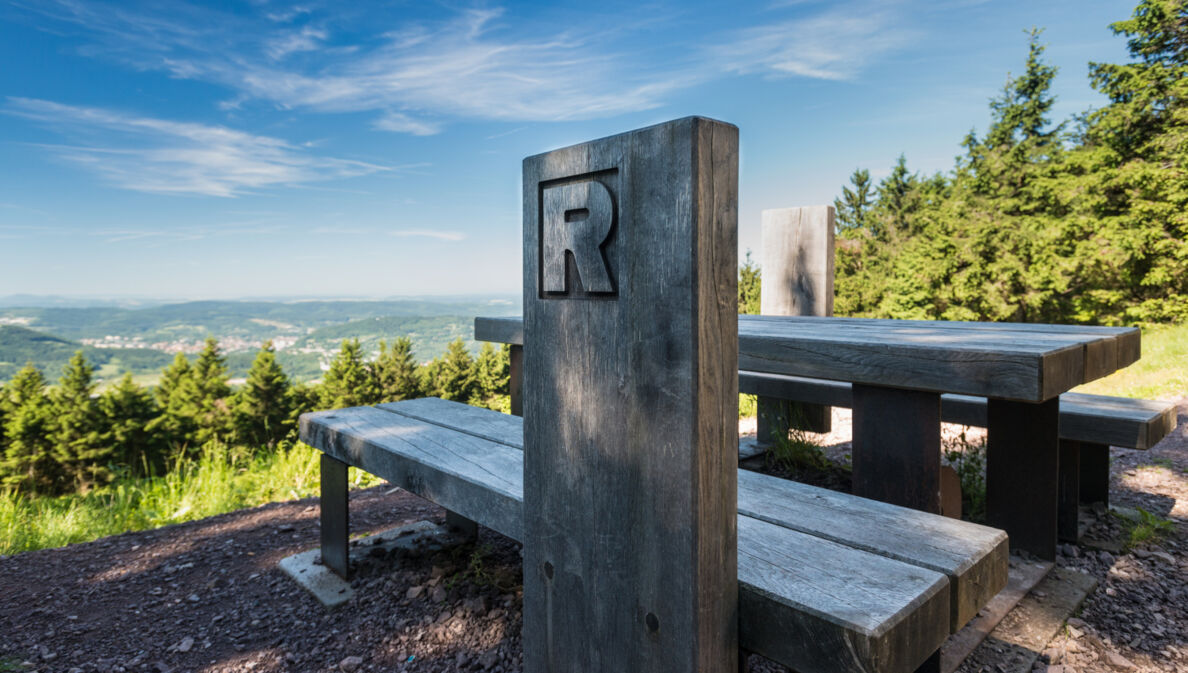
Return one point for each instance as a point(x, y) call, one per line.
point(219, 480)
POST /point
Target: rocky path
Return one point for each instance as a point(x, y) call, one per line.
point(207, 595)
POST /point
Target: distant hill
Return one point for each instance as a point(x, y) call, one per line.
point(19, 345)
point(244, 319)
point(429, 335)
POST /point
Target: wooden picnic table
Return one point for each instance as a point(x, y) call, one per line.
point(900, 368)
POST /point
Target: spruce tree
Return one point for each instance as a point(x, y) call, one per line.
point(127, 411)
point(206, 395)
point(78, 445)
point(28, 462)
point(456, 379)
point(854, 205)
point(175, 425)
point(348, 382)
point(395, 372)
point(263, 409)
point(492, 371)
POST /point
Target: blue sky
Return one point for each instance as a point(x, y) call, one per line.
point(220, 150)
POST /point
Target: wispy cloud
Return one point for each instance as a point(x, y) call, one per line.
point(430, 233)
point(419, 74)
point(169, 157)
point(836, 44)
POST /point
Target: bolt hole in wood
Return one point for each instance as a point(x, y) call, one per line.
point(653, 622)
point(548, 570)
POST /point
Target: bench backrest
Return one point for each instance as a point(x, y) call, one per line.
point(630, 402)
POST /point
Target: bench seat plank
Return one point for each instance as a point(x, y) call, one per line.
point(1097, 419)
point(804, 601)
point(973, 557)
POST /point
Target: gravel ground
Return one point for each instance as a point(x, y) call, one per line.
point(207, 595)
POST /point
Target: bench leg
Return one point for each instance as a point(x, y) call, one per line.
point(896, 451)
point(1022, 473)
point(1095, 473)
point(460, 525)
point(515, 380)
point(334, 516)
point(1069, 495)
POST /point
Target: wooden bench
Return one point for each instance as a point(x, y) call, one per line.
point(827, 581)
point(1089, 424)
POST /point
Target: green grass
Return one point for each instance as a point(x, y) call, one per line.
point(1161, 373)
point(1147, 527)
point(219, 480)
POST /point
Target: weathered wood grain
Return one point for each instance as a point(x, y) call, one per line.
point(797, 261)
point(984, 359)
point(973, 557)
point(334, 516)
point(797, 280)
point(1116, 421)
point(477, 478)
point(899, 466)
point(630, 400)
point(804, 600)
point(1022, 475)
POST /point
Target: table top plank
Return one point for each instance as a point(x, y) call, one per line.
point(1011, 361)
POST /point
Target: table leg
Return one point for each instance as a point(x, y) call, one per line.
point(1095, 473)
point(1022, 473)
point(515, 380)
point(1068, 510)
point(333, 501)
point(465, 528)
point(896, 453)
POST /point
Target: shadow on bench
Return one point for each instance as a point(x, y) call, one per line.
point(827, 581)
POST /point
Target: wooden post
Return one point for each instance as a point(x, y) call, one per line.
point(1022, 472)
point(896, 452)
point(335, 525)
point(631, 402)
point(797, 263)
point(1069, 492)
point(1095, 473)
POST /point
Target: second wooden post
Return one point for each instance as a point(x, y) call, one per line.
point(630, 397)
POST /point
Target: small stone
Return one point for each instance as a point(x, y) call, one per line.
point(1074, 632)
point(439, 594)
point(193, 598)
point(1105, 557)
point(1077, 622)
point(1118, 661)
point(1164, 556)
point(350, 664)
point(489, 659)
point(414, 592)
point(461, 660)
point(1142, 553)
point(186, 644)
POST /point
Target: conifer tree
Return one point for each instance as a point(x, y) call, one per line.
point(455, 376)
point(127, 411)
point(492, 371)
point(263, 408)
point(348, 382)
point(28, 463)
point(395, 372)
point(78, 446)
point(855, 204)
point(206, 395)
point(175, 425)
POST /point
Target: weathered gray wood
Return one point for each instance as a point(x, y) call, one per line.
point(828, 609)
point(334, 516)
point(476, 478)
point(515, 379)
point(499, 330)
point(1022, 473)
point(973, 557)
point(804, 600)
point(896, 453)
point(630, 402)
point(797, 280)
point(797, 261)
point(982, 359)
point(1116, 421)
